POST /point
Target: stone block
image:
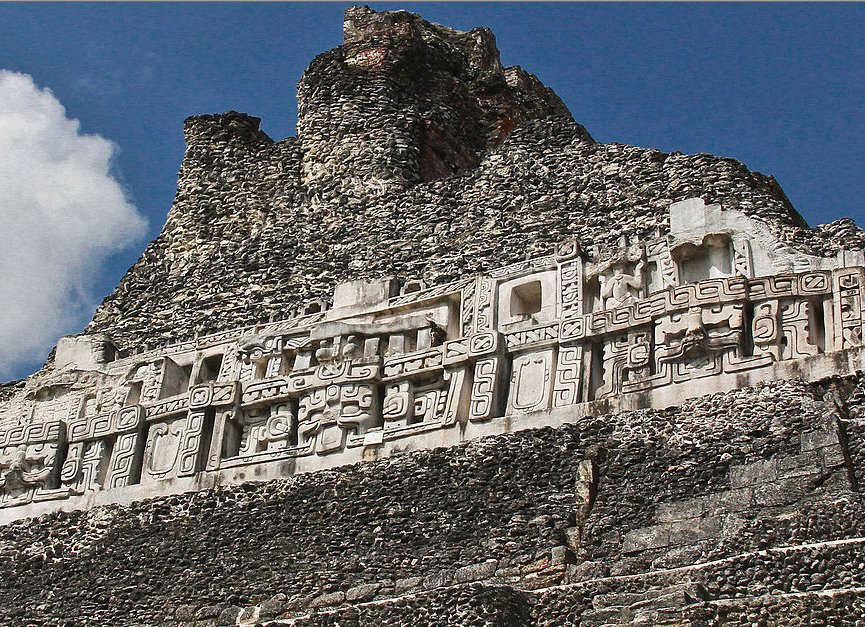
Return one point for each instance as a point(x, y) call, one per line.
point(273, 607)
point(678, 556)
point(832, 456)
point(680, 510)
point(185, 612)
point(572, 538)
point(559, 556)
point(84, 352)
point(646, 538)
point(407, 583)
point(672, 596)
point(363, 592)
point(778, 493)
point(208, 611)
point(687, 216)
point(737, 500)
point(812, 440)
point(588, 570)
point(753, 474)
point(692, 531)
point(229, 616)
point(248, 616)
point(802, 465)
point(364, 292)
point(476, 572)
point(439, 579)
point(328, 600)
point(616, 599)
point(605, 616)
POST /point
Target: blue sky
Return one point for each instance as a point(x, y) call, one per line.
point(777, 86)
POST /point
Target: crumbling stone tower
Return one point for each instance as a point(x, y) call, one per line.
point(444, 359)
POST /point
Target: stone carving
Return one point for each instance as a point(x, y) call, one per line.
point(530, 381)
point(741, 257)
point(623, 286)
point(483, 312)
point(848, 308)
point(764, 329)
point(660, 252)
point(23, 467)
point(542, 335)
point(795, 317)
point(327, 414)
point(693, 342)
point(485, 389)
point(124, 468)
point(568, 384)
point(268, 430)
point(467, 307)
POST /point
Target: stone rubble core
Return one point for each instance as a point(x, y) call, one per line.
point(443, 359)
point(715, 305)
point(433, 163)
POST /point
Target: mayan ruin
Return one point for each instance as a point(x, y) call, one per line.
point(444, 359)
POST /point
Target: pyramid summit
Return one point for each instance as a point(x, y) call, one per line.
point(443, 358)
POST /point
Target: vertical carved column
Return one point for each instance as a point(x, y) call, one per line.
point(569, 374)
point(484, 403)
point(795, 317)
point(483, 320)
point(467, 308)
point(220, 425)
point(659, 251)
point(125, 461)
point(567, 388)
point(91, 460)
point(570, 274)
point(742, 258)
point(848, 307)
point(615, 360)
point(191, 444)
point(397, 404)
point(70, 472)
point(764, 329)
point(486, 399)
point(456, 395)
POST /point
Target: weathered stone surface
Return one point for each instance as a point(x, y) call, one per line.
point(417, 156)
point(606, 312)
point(331, 537)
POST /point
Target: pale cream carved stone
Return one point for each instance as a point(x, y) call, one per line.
point(534, 341)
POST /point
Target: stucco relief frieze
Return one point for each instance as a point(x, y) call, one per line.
point(531, 338)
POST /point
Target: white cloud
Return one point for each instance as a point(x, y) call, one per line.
point(61, 213)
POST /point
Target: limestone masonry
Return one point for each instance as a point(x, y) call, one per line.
point(443, 359)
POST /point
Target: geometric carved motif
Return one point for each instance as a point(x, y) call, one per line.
point(327, 414)
point(848, 309)
point(567, 389)
point(319, 384)
point(531, 374)
point(571, 286)
point(484, 397)
point(742, 257)
point(794, 324)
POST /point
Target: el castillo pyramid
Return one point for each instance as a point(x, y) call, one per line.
point(444, 359)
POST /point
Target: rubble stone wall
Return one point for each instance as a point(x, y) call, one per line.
point(527, 511)
point(418, 156)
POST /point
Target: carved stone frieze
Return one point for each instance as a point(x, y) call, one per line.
point(539, 336)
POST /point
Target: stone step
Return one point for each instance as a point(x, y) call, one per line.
point(676, 595)
point(617, 599)
point(605, 617)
